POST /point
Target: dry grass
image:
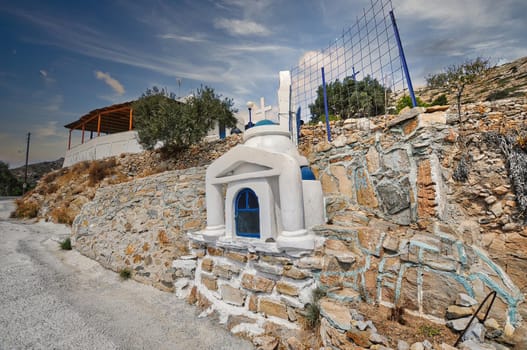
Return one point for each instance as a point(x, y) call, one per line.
point(25, 209)
point(99, 169)
point(62, 215)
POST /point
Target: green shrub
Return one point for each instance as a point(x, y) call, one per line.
point(440, 100)
point(312, 315)
point(125, 273)
point(406, 101)
point(65, 244)
point(429, 330)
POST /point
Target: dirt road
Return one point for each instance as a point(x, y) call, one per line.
point(54, 299)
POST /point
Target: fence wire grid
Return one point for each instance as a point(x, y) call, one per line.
point(367, 48)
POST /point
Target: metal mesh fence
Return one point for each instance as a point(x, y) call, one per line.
point(367, 51)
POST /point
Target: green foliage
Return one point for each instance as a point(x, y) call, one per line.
point(177, 125)
point(440, 100)
point(312, 315)
point(65, 244)
point(406, 101)
point(458, 75)
point(349, 98)
point(429, 331)
point(312, 311)
point(125, 273)
point(9, 185)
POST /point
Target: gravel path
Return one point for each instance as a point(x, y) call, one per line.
point(54, 299)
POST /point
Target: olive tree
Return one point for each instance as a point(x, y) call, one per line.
point(457, 76)
point(160, 118)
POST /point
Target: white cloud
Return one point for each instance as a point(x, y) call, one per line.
point(48, 129)
point(44, 74)
point(111, 82)
point(187, 38)
point(240, 27)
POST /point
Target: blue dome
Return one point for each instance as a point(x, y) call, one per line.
point(307, 173)
point(264, 122)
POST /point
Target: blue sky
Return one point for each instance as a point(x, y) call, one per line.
point(62, 59)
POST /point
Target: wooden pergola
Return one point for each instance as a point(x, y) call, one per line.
point(108, 120)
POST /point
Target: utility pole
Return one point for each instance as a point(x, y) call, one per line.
point(24, 186)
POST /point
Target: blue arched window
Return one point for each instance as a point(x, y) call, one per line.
point(247, 213)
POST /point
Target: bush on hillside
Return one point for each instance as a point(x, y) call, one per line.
point(161, 119)
point(25, 209)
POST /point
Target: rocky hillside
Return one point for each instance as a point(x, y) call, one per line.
point(505, 81)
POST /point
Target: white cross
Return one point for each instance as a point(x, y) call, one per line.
point(263, 108)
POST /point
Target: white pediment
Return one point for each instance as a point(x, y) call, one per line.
point(243, 168)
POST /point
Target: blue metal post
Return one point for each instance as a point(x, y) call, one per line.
point(328, 128)
point(403, 59)
point(298, 119)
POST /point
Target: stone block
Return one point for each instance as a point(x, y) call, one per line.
point(360, 338)
point(271, 307)
point(225, 270)
point(333, 338)
point(232, 295)
point(269, 268)
point(286, 288)
point(214, 251)
point(338, 249)
point(345, 185)
point(369, 238)
point(392, 197)
point(310, 262)
point(184, 267)
point(240, 257)
point(257, 283)
point(365, 194)
point(207, 264)
point(252, 303)
point(295, 273)
point(336, 314)
point(454, 311)
point(209, 282)
point(439, 292)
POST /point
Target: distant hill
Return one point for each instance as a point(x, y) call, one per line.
point(36, 171)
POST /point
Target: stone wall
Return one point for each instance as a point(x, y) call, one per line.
point(141, 224)
point(402, 232)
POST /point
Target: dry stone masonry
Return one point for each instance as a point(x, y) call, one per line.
point(401, 232)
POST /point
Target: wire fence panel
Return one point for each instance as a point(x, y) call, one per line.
point(366, 54)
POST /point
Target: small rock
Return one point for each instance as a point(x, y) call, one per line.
point(376, 338)
point(454, 312)
point(445, 346)
point(402, 345)
point(266, 342)
point(465, 300)
point(476, 331)
point(492, 323)
point(474, 345)
point(509, 330)
point(294, 344)
point(459, 324)
point(417, 346)
point(427, 344)
point(490, 200)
